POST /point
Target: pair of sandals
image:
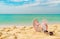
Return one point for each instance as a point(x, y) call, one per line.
point(38, 28)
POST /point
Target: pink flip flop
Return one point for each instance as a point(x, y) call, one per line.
point(36, 25)
point(44, 25)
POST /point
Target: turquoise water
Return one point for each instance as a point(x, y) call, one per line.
point(27, 18)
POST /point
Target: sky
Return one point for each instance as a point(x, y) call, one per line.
point(29, 6)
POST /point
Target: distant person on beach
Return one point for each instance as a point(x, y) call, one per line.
point(38, 27)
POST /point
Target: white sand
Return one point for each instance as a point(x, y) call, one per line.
point(28, 32)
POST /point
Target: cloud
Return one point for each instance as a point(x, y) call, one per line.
point(16, 0)
point(49, 3)
point(52, 3)
point(35, 3)
point(38, 7)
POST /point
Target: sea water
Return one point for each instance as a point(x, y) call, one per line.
point(28, 18)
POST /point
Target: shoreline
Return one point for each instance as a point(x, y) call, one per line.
point(27, 24)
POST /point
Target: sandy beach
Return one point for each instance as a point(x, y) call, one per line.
point(28, 32)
